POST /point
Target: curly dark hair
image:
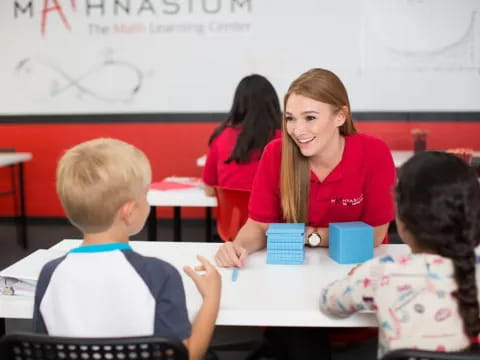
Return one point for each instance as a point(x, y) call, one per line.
point(256, 109)
point(438, 200)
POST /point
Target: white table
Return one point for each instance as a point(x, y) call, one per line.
point(7, 159)
point(263, 295)
point(11, 159)
point(192, 197)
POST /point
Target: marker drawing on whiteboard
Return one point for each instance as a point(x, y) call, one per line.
point(96, 82)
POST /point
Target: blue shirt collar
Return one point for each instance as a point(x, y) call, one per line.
point(100, 248)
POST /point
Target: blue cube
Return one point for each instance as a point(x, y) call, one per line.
point(350, 242)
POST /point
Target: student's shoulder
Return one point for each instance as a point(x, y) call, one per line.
point(382, 264)
point(151, 266)
point(411, 263)
point(274, 147)
point(374, 149)
point(49, 268)
point(53, 264)
point(227, 134)
point(370, 143)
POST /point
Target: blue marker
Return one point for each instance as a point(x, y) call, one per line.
point(235, 274)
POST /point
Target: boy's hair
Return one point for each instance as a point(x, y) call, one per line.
point(97, 177)
point(438, 200)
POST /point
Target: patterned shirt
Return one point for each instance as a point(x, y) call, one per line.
point(412, 298)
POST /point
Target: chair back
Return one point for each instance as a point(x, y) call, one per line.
point(28, 346)
point(411, 354)
point(232, 211)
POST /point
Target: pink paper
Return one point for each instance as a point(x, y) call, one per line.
point(170, 185)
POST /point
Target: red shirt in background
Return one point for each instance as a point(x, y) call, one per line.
point(359, 188)
point(232, 175)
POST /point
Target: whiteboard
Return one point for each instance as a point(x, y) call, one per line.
point(182, 56)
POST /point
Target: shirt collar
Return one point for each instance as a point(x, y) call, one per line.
point(100, 248)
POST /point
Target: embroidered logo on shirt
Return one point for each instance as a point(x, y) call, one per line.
point(347, 202)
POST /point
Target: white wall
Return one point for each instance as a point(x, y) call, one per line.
point(188, 55)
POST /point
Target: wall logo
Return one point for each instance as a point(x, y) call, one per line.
point(133, 9)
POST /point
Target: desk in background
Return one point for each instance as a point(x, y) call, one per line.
point(263, 295)
point(176, 198)
point(399, 157)
point(17, 159)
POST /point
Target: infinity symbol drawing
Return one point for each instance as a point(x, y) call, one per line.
point(108, 81)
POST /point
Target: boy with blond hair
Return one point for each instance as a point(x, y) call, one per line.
point(103, 288)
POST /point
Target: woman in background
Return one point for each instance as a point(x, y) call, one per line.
point(235, 147)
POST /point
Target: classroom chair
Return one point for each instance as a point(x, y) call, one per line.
point(411, 354)
point(232, 211)
point(29, 346)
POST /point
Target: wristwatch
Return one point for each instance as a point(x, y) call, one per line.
point(314, 239)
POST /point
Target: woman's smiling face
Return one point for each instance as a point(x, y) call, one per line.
point(311, 124)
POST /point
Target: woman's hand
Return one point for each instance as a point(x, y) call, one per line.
point(230, 254)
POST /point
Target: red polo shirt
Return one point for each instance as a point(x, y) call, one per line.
point(232, 175)
point(359, 188)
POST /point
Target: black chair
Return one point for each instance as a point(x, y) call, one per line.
point(410, 354)
point(28, 346)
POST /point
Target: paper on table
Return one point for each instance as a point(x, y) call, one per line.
point(176, 183)
point(21, 277)
point(170, 185)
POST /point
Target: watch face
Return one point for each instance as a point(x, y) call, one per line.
point(314, 239)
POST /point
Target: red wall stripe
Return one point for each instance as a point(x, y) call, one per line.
point(172, 150)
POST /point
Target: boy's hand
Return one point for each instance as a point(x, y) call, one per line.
point(208, 284)
point(230, 254)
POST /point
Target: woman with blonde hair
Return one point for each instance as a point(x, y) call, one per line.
point(320, 171)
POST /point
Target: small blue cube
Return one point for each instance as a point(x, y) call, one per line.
point(350, 242)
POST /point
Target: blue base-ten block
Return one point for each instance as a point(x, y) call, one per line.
point(285, 244)
point(350, 242)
